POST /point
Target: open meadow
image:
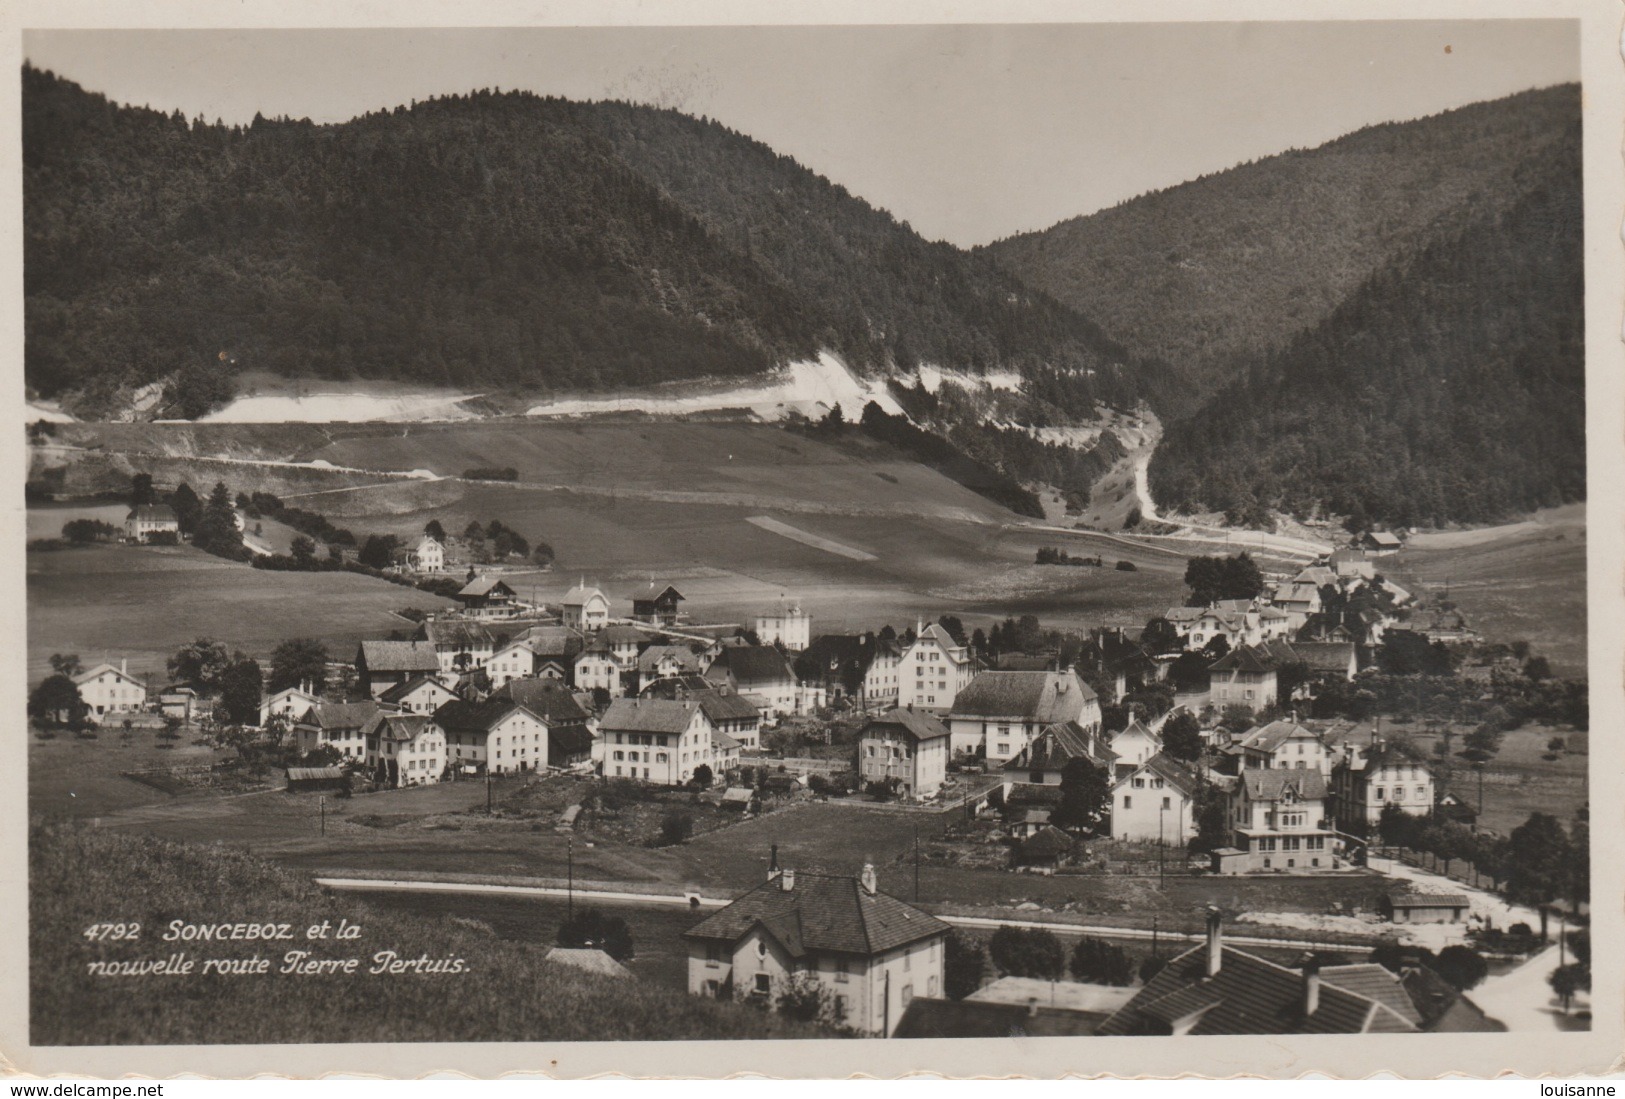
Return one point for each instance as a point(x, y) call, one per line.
point(140, 603)
point(1520, 780)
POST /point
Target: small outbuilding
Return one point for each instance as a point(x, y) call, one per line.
point(1409, 906)
point(311, 779)
point(1047, 848)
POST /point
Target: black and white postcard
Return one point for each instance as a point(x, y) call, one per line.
point(679, 542)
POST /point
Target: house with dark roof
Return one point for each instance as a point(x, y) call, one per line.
point(406, 750)
point(1381, 543)
point(1279, 821)
point(662, 661)
point(1350, 563)
point(539, 652)
point(906, 745)
point(488, 597)
point(1216, 989)
point(288, 703)
point(1135, 743)
point(933, 670)
point(1043, 760)
point(459, 645)
point(659, 741)
point(862, 669)
point(871, 951)
point(757, 670)
point(596, 669)
point(1387, 772)
point(152, 522)
point(1000, 713)
point(497, 736)
point(1245, 676)
point(1156, 803)
point(659, 605)
point(344, 725)
point(1111, 654)
point(1046, 848)
point(731, 716)
point(1283, 743)
point(422, 694)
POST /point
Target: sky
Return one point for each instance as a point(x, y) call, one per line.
point(969, 133)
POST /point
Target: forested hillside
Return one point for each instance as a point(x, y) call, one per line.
point(1447, 387)
point(495, 240)
point(1215, 273)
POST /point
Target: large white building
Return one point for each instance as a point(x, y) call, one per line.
point(999, 713)
point(870, 951)
point(661, 741)
point(787, 624)
point(1386, 773)
point(933, 670)
point(908, 746)
point(1155, 803)
point(584, 608)
point(108, 691)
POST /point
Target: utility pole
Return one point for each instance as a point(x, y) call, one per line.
point(321, 805)
point(570, 880)
point(1162, 855)
point(916, 864)
point(488, 789)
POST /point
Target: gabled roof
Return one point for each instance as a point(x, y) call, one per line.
point(1318, 575)
point(409, 686)
point(1442, 1007)
point(1184, 614)
point(1374, 983)
point(151, 513)
point(944, 640)
point(552, 641)
point(1048, 697)
point(647, 715)
point(1178, 776)
point(1022, 662)
point(1267, 738)
point(579, 596)
point(458, 716)
point(722, 706)
point(918, 726)
point(822, 913)
point(679, 687)
point(342, 715)
point(102, 669)
point(619, 635)
point(1325, 656)
point(649, 659)
point(402, 726)
point(652, 594)
point(1271, 784)
point(483, 586)
point(399, 656)
point(546, 699)
point(1247, 996)
point(1059, 744)
point(1247, 658)
point(1383, 538)
point(752, 664)
point(1047, 843)
point(444, 633)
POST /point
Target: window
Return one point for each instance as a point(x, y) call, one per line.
point(1167, 803)
point(908, 960)
point(842, 970)
point(1128, 802)
point(764, 984)
point(1381, 793)
point(908, 994)
point(713, 956)
point(761, 948)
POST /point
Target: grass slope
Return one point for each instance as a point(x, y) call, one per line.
point(507, 993)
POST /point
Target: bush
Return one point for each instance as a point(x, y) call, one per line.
point(1127, 566)
point(676, 827)
point(487, 473)
point(1101, 962)
point(593, 929)
point(1027, 952)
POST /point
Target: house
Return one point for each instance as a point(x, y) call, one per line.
point(1407, 905)
point(1134, 744)
point(1243, 677)
point(152, 523)
point(1110, 654)
point(569, 725)
point(759, 670)
point(1348, 564)
point(933, 670)
point(1448, 806)
point(420, 695)
point(596, 669)
point(553, 651)
point(1328, 660)
point(1284, 744)
point(906, 745)
point(787, 625)
point(459, 646)
point(1380, 543)
point(656, 740)
point(306, 780)
point(344, 725)
point(1216, 989)
point(488, 597)
point(1278, 821)
point(1184, 620)
point(430, 556)
point(730, 715)
point(623, 643)
point(861, 668)
point(289, 703)
point(380, 665)
point(107, 690)
point(585, 609)
point(1044, 759)
point(1320, 576)
point(1298, 598)
point(1385, 773)
point(1047, 848)
point(178, 702)
point(870, 950)
point(666, 662)
point(1023, 821)
point(1237, 627)
point(515, 660)
point(999, 713)
point(1156, 803)
point(659, 606)
point(498, 736)
point(406, 750)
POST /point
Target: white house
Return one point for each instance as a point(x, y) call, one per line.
point(347, 726)
point(1135, 745)
point(1243, 677)
point(147, 520)
point(657, 740)
point(498, 736)
point(906, 745)
point(933, 670)
point(406, 750)
point(289, 703)
point(107, 690)
point(584, 608)
point(596, 669)
point(1155, 803)
point(1286, 744)
point(459, 646)
point(759, 671)
point(422, 695)
point(1386, 773)
point(873, 953)
point(999, 713)
point(430, 556)
point(1278, 821)
point(788, 625)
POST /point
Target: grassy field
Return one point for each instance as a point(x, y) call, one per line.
point(110, 602)
point(486, 989)
point(1518, 781)
point(1524, 581)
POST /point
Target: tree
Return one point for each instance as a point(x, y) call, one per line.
point(378, 551)
point(703, 776)
point(1462, 966)
point(434, 530)
point(805, 998)
point(56, 701)
point(964, 964)
point(84, 531)
point(1086, 794)
point(542, 554)
point(240, 687)
point(67, 664)
point(1537, 668)
point(141, 491)
point(1237, 717)
point(187, 507)
point(1027, 952)
point(217, 531)
point(675, 827)
point(592, 929)
point(1213, 578)
point(1537, 857)
point(1212, 817)
point(1482, 743)
point(1100, 962)
point(1397, 827)
point(199, 665)
point(1182, 736)
point(303, 552)
point(1568, 979)
point(298, 661)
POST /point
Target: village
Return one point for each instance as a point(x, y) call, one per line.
point(1239, 738)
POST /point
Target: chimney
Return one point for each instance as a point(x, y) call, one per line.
point(787, 880)
point(1311, 991)
point(1215, 941)
point(773, 870)
point(124, 666)
point(867, 878)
